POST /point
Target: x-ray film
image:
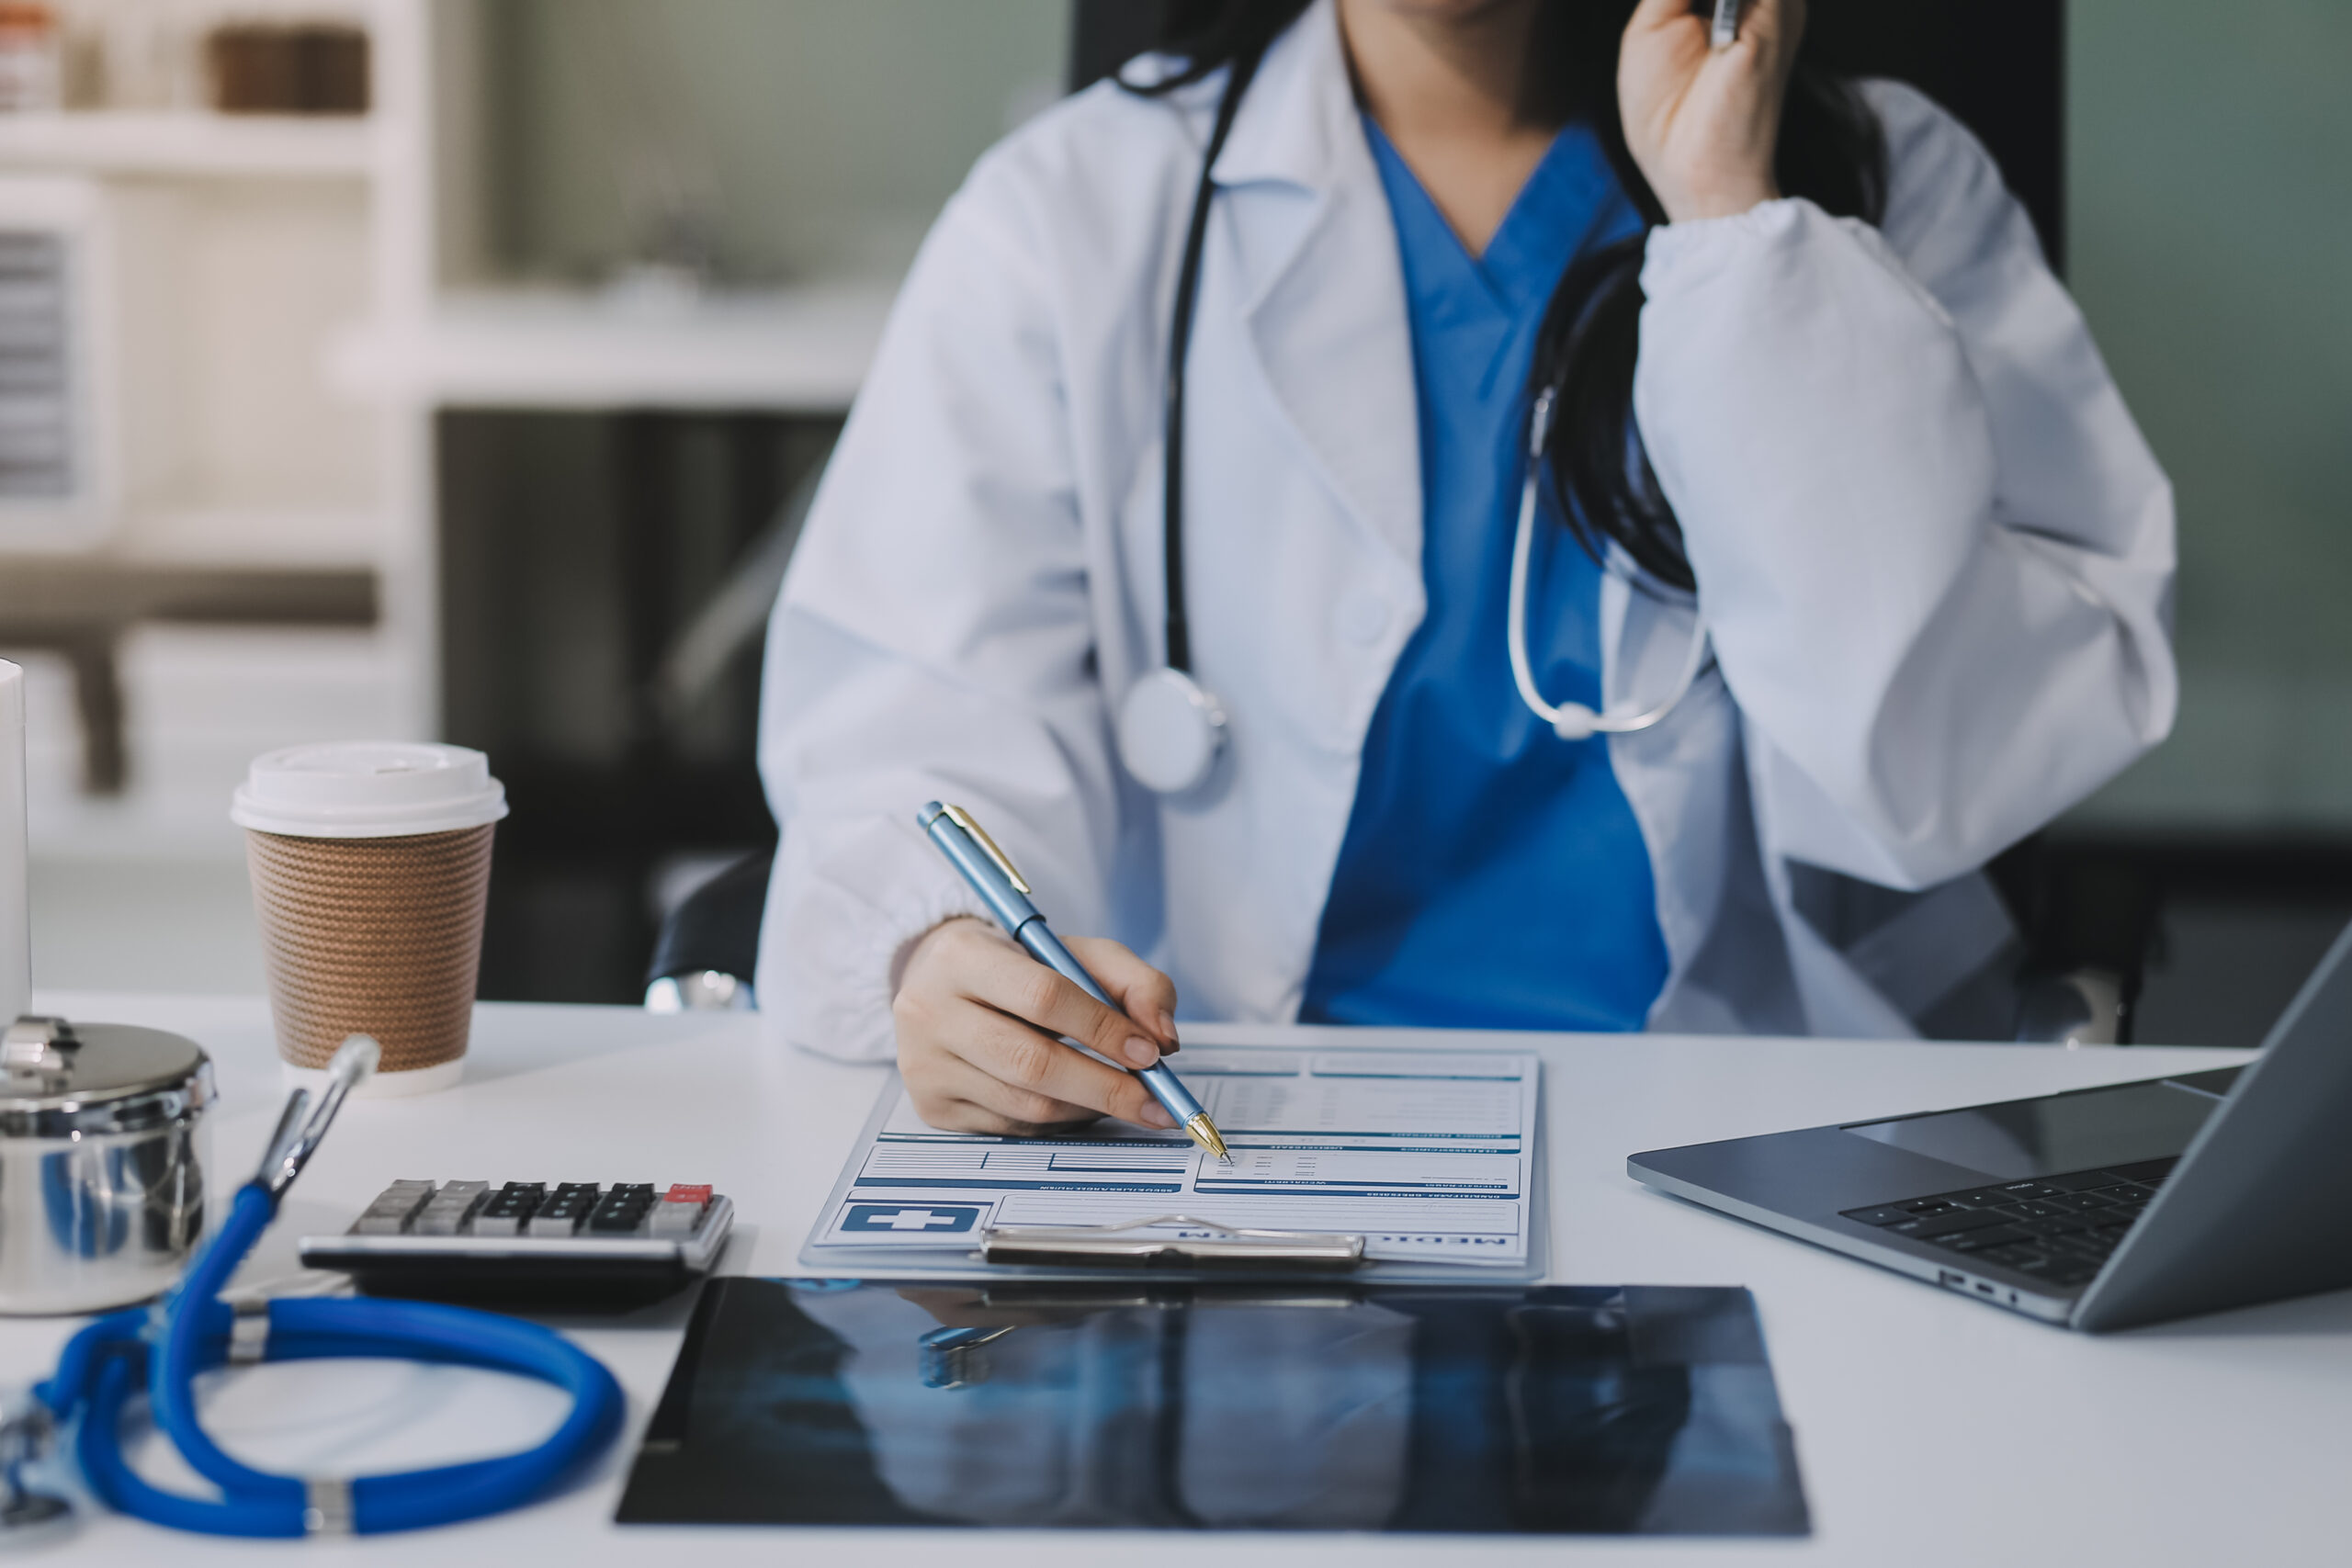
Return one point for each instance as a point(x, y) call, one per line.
point(1566, 1410)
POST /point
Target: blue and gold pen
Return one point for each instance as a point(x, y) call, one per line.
point(991, 872)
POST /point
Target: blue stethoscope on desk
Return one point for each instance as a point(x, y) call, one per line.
point(1170, 729)
point(163, 1346)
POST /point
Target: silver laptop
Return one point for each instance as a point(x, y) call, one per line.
point(2099, 1209)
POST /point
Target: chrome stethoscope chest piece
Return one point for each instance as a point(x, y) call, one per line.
point(1170, 731)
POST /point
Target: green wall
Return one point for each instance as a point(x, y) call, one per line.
point(804, 136)
point(2210, 210)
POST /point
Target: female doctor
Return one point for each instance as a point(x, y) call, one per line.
point(1842, 565)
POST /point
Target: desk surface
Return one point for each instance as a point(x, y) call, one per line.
point(1931, 1428)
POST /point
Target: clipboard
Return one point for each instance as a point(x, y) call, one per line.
point(1134, 1244)
point(1117, 1251)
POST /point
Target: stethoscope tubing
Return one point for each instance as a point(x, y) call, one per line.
point(1566, 716)
point(1570, 721)
point(1177, 623)
point(106, 1362)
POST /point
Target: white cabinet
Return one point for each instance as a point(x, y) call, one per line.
point(211, 260)
point(290, 304)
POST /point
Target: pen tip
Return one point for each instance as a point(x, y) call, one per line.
point(1205, 1133)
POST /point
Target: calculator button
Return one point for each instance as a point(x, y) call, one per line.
point(680, 1210)
point(624, 1208)
point(447, 1212)
point(538, 1211)
point(560, 1215)
point(509, 1210)
point(515, 1200)
point(393, 1207)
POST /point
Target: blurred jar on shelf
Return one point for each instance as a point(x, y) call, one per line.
point(32, 58)
point(143, 54)
point(288, 67)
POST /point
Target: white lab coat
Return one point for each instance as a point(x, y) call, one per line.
point(1933, 551)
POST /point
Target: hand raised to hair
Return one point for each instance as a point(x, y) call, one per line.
point(1701, 123)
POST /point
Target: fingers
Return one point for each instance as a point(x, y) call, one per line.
point(1147, 996)
point(975, 1100)
point(1704, 124)
point(942, 1087)
point(968, 958)
point(1768, 29)
point(1033, 1077)
point(1009, 980)
point(1660, 15)
point(1004, 1077)
point(978, 1021)
point(1771, 29)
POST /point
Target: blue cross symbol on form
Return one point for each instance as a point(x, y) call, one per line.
point(911, 1219)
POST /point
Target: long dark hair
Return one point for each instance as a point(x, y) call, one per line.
point(1830, 151)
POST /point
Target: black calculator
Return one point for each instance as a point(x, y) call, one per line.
point(569, 1245)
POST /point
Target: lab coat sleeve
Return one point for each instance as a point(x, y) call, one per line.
point(932, 640)
point(1933, 548)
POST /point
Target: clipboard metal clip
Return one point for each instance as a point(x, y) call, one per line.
point(1130, 1243)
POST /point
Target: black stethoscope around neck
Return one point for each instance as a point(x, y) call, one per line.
point(1171, 729)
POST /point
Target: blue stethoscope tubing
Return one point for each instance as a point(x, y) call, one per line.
point(105, 1362)
point(192, 1331)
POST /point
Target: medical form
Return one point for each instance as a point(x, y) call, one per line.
point(1428, 1156)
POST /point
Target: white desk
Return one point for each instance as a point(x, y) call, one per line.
point(1931, 1429)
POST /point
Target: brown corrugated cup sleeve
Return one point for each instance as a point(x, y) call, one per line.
point(372, 936)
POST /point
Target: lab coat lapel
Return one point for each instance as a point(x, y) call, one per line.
point(1326, 314)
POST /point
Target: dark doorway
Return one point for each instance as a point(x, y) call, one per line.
point(576, 551)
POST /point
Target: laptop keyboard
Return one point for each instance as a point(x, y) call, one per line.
point(2059, 1228)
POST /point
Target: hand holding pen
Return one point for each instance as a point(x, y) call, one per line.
point(978, 1017)
point(1699, 93)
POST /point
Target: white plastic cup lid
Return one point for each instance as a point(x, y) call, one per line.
point(367, 789)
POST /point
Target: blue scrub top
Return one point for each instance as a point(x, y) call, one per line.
point(1492, 873)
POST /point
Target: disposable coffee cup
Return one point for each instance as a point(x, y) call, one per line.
point(371, 867)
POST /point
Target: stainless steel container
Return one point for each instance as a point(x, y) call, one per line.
point(102, 1153)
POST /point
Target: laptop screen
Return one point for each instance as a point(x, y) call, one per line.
point(2056, 1133)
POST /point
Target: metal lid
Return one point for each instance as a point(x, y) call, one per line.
point(59, 1079)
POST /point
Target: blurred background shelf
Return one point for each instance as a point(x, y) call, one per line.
point(244, 571)
point(192, 534)
point(188, 142)
point(802, 350)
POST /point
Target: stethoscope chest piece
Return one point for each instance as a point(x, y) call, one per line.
point(1170, 732)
